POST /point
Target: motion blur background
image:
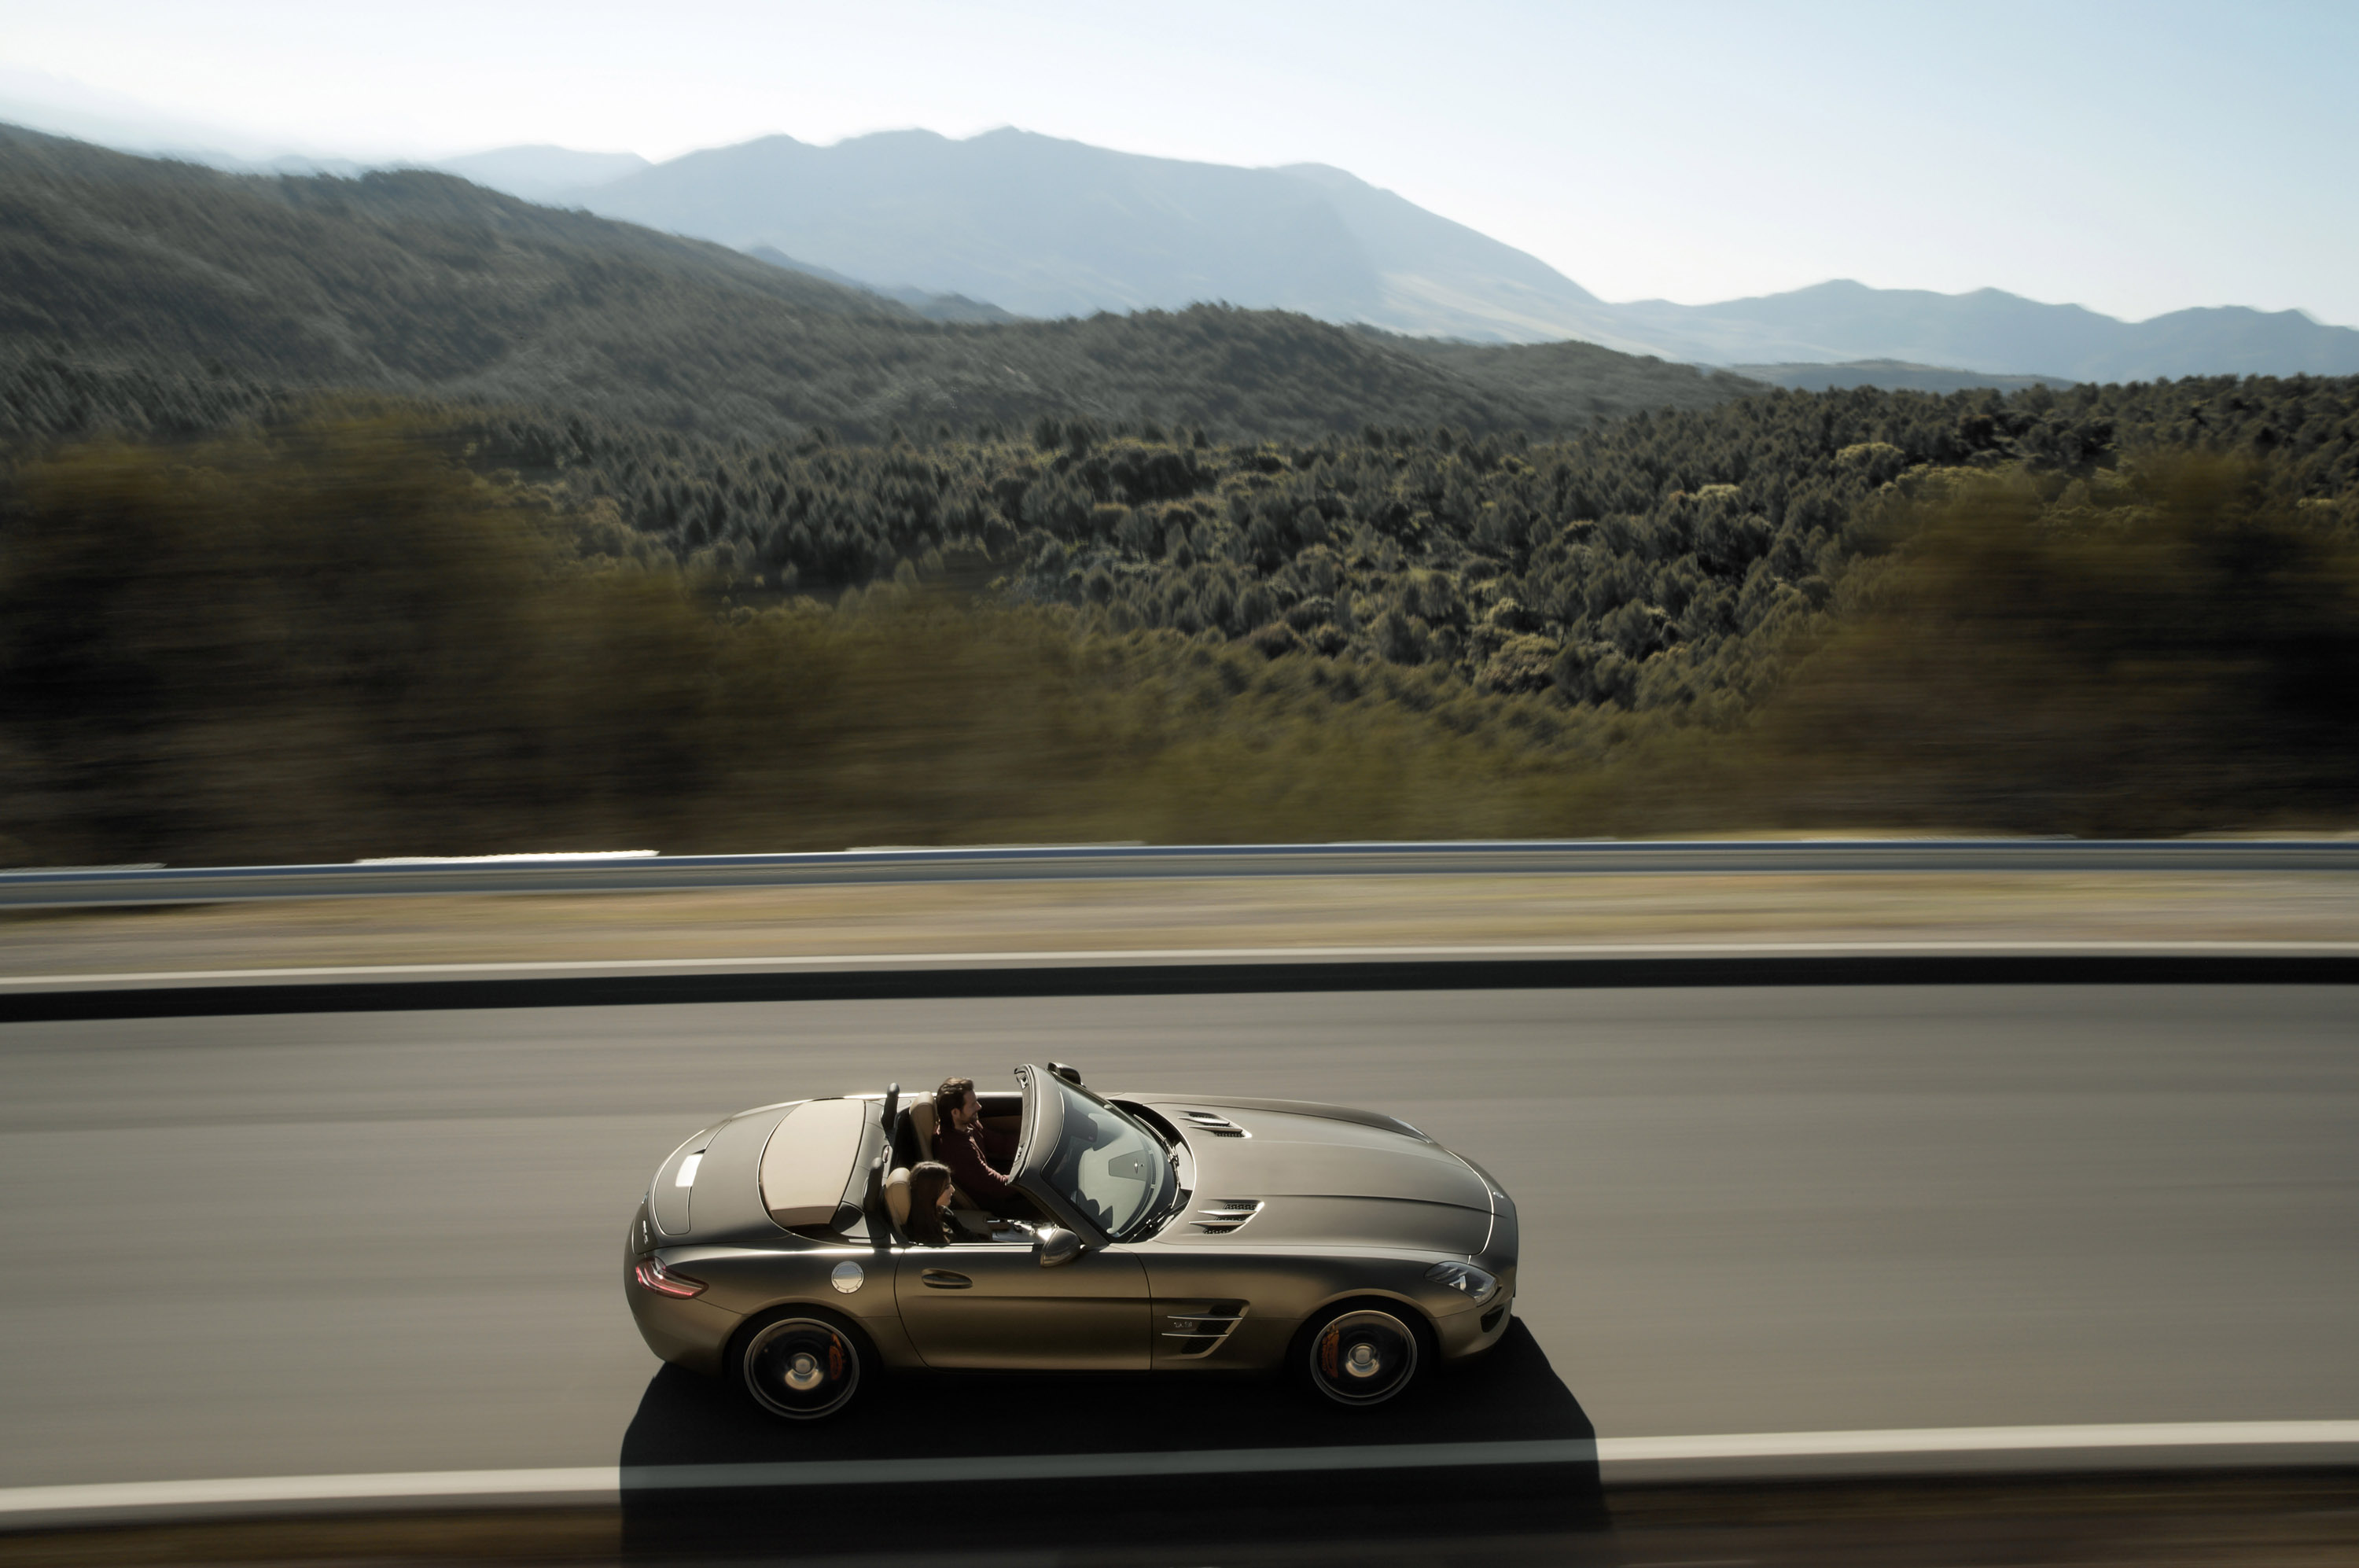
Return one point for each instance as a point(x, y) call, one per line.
point(334, 638)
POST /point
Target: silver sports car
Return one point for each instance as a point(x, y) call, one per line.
point(1176, 1234)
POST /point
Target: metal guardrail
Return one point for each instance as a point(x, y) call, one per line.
point(61, 998)
point(70, 886)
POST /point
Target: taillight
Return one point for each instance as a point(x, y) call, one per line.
point(652, 1273)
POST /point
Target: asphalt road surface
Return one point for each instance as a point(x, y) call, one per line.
point(322, 1243)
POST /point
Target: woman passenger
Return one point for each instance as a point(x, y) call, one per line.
point(930, 1203)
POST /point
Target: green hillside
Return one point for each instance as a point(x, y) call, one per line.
point(421, 284)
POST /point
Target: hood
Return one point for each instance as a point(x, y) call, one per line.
point(1311, 1178)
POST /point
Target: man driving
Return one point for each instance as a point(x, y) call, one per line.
point(974, 1152)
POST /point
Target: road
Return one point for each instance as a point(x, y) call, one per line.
point(313, 1243)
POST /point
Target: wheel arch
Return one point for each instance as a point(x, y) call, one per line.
point(736, 1364)
point(1353, 1300)
point(762, 1317)
point(1304, 1362)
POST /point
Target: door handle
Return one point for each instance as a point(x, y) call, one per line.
point(943, 1280)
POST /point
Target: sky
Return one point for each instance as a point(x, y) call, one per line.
point(2135, 159)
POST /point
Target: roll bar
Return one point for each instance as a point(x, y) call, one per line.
point(880, 1221)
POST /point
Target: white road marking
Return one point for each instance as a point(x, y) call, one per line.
point(1978, 1440)
point(802, 962)
point(607, 1483)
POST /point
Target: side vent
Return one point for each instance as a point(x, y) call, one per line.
point(1197, 1328)
point(1218, 1216)
point(1219, 1126)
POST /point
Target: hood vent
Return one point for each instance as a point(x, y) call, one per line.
point(1218, 1216)
point(1219, 1126)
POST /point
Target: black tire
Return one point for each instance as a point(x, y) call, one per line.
point(802, 1363)
point(1364, 1353)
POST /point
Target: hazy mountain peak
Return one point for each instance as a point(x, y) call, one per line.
point(1047, 226)
point(1989, 331)
point(1037, 224)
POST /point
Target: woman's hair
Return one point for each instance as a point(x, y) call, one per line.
point(928, 1180)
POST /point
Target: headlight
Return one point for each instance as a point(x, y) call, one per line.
point(1465, 1278)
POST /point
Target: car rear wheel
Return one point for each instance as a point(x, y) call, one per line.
point(801, 1366)
point(1362, 1355)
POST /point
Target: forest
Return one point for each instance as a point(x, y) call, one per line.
point(416, 628)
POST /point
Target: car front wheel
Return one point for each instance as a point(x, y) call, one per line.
point(802, 1366)
point(1362, 1355)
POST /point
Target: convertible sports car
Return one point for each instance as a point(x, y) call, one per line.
point(1185, 1234)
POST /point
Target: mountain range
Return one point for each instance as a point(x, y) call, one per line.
point(1010, 223)
point(1045, 227)
point(141, 292)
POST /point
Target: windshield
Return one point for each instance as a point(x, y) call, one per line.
point(1107, 1165)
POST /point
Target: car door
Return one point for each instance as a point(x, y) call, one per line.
point(992, 1305)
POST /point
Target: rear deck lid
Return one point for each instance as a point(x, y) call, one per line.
point(806, 1167)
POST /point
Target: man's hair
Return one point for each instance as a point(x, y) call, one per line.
point(950, 1097)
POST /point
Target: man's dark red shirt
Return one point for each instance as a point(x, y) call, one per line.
point(975, 1157)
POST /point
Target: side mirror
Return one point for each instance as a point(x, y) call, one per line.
point(1066, 1071)
point(1053, 1247)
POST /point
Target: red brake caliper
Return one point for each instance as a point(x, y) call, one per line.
point(1327, 1345)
